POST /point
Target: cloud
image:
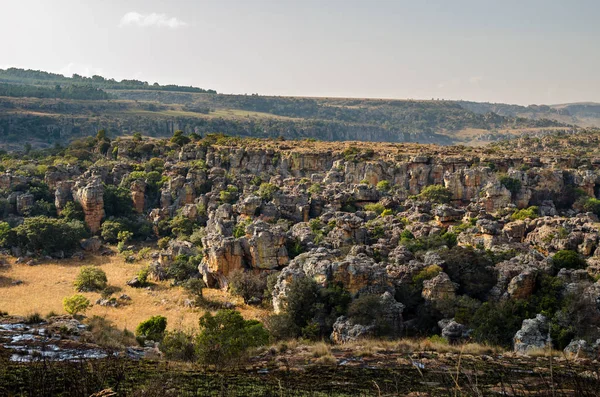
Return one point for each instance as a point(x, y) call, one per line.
point(149, 20)
point(83, 70)
point(475, 79)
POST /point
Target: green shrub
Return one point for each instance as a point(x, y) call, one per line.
point(111, 228)
point(194, 288)
point(90, 278)
point(163, 242)
point(267, 190)
point(72, 211)
point(387, 212)
point(229, 195)
point(525, 213)
point(436, 194)
point(143, 276)
point(117, 201)
point(153, 328)
point(568, 259)
point(281, 326)
point(384, 186)
point(76, 304)
point(226, 337)
point(375, 207)
point(427, 273)
point(182, 268)
point(240, 229)
point(301, 300)
point(178, 345)
point(179, 139)
point(512, 184)
point(589, 204)
point(124, 236)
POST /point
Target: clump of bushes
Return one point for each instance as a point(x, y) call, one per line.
point(525, 213)
point(90, 278)
point(512, 184)
point(378, 208)
point(226, 337)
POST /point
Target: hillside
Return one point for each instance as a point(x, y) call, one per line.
point(585, 114)
point(44, 109)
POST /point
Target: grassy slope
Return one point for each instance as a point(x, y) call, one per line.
point(44, 287)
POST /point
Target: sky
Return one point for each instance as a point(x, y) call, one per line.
point(522, 52)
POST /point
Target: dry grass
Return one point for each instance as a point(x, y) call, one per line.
point(545, 352)
point(320, 349)
point(369, 347)
point(44, 287)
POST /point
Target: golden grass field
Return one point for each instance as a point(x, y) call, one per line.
point(45, 285)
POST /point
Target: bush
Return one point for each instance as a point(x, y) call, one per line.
point(384, 186)
point(436, 194)
point(178, 345)
point(76, 304)
point(180, 139)
point(512, 184)
point(281, 326)
point(182, 268)
point(226, 337)
point(72, 211)
point(525, 213)
point(117, 201)
point(153, 328)
point(375, 207)
point(111, 229)
point(266, 191)
point(472, 270)
point(249, 286)
point(194, 287)
point(366, 310)
point(49, 235)
point(301, 300)
point(229, 195)
point(142, 276)
point(589, 204)
point(567, 259)
point(90, 278)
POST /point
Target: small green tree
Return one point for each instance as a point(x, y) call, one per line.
point(153, 328)
point(76, 304)
point(226, 337)
point(180, 139)
point(248, 285)
point(90, 278)
point(436, 194)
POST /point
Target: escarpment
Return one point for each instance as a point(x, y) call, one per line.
point(425, 232)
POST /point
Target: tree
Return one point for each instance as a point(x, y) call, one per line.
point(436, 194)
point(91, 278)
point(137, 136)
point(180, 139)
point(250, 286)
point(153, 328)
point(117, 201)
point(76, 304)
point(226, 337)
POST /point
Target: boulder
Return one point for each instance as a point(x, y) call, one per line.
point(534, 334)
point(345, 331)
point(91, 197)
point(92, 244)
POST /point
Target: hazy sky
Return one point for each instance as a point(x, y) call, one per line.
point(538, 51)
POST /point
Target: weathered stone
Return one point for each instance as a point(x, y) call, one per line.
point(534, 334)
point(91, 198)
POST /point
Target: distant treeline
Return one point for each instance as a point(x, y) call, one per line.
point(38, 77)
point(73, 91)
